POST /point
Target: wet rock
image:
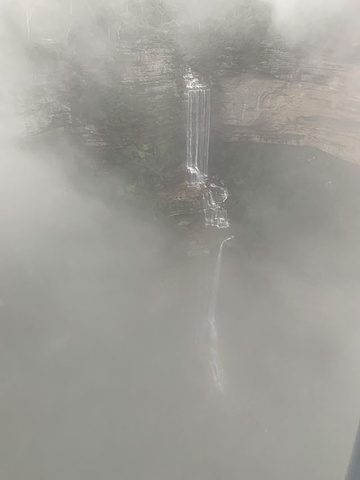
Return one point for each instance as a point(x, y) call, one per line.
point(291, 99)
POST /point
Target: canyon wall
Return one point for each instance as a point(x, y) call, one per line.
point(292, 100)
point(127, 101)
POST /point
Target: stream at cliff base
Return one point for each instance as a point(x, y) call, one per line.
point(106, 342)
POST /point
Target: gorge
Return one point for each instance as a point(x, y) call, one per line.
point(179, 242)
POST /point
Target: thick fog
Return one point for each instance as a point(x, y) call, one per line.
point(294, 13)
point(105, 365)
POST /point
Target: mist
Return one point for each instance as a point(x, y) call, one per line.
point(179, 268)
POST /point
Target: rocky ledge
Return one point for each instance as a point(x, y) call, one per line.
point(291, 99)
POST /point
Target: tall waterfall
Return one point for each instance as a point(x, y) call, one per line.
point(216, 367)
point(198, 98)
point(198, 130)
point(214, 197)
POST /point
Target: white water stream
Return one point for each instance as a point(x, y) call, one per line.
point(198, 99)
point(215, 362)
point(198, 130)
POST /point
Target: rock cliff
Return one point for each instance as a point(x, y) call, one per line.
point(126, 100)
point(292, 99)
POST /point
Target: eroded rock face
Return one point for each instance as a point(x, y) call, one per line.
point(291, 101)
point(123, 94)
point(132, 105)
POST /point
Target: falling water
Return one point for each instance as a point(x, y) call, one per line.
point(213, 200)
point(216, 367)
point(198, 130)
point(198, 136)
point(214, 196)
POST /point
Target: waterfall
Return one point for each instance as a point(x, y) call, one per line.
point(198, 99)
point(215, 214)
point(214, 197)
point(198, 130)
point(215, 363)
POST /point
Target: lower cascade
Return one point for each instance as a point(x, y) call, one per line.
point(216, 367)
point(213, 200)
point(198, 137)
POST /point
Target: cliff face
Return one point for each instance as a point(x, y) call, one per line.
point(126, 100)
point(138, 98)
point(121, 100)
point(292, 100)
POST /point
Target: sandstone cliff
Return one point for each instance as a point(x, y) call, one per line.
point(291, 99)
